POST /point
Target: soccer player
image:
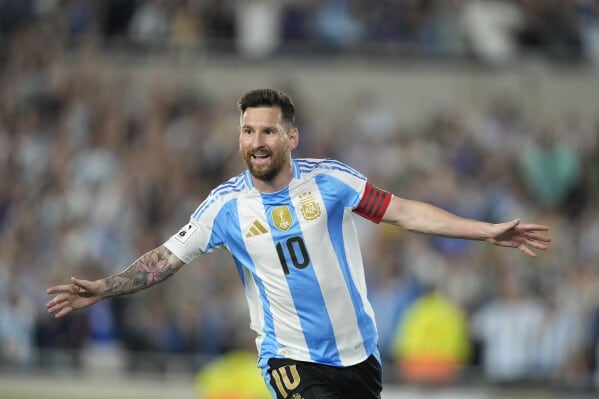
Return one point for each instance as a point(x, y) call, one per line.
point(288, 224)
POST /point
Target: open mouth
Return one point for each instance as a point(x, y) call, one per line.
point(260, 158)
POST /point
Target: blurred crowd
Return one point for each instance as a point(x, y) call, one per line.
point(495, 32)
point(97, 167)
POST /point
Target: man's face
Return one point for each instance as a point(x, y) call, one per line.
point(265, 142)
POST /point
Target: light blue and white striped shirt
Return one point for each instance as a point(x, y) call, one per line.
point(298, 257)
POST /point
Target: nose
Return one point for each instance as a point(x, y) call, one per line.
point(257, 139)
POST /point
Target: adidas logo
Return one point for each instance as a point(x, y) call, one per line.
point(256, 229)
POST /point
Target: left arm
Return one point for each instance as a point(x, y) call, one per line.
point(425, 218)
point(151, 268)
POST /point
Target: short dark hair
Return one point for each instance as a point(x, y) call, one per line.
point(269, 98)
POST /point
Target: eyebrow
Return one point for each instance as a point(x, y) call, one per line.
point(268, 127)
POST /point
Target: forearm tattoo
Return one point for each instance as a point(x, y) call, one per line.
point(153, 267)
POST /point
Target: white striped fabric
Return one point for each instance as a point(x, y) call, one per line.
point(298, 257)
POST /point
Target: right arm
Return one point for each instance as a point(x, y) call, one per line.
point(425, 218)
point(151, 268)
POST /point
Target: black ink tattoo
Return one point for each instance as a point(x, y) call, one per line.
point(151, 268)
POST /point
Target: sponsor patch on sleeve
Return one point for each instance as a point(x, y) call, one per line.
point(185, 233)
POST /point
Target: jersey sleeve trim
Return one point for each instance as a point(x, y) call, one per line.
point(374, 203)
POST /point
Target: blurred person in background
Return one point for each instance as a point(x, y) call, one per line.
point(432, 344)
point(507, 328)
point(16, 330)
point(550, 167)
point(289, 225)
point(490, 28)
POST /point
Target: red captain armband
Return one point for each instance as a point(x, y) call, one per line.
point(374, 203)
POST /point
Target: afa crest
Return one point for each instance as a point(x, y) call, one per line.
point(281, 217)
point(309, 208)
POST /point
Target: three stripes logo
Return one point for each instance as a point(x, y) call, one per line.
point(256, 229)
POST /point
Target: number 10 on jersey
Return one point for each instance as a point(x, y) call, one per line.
point(293, 249)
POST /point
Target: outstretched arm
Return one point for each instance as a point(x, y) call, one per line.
point(151, 268)
point(425, 218)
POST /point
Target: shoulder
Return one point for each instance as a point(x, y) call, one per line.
point(234, 186)
point(325, 166)
point(223, 194)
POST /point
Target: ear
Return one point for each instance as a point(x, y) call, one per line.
point(293, 137)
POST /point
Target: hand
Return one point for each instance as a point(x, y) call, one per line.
point(522, 236)
point(76, 295)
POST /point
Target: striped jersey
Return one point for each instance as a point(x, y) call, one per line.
point(297, 254)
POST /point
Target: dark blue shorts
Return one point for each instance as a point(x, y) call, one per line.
point(292, 379)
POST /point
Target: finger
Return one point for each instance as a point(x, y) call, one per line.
point(59, 289)
point(537, 245)
point(66, 310)
point(82, 285)
point(508, 244)
point(523, 248)
point(77, 284)
point(527, 240)
point(58, 306)
point(57, 303)
point(533, 227)
point(53, 301)
point(511, 224)
point(537, 237)
point(55, 307)
point(60, 298)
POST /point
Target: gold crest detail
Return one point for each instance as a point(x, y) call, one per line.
point(281, 217)
point(296, 396)
point(309, 207)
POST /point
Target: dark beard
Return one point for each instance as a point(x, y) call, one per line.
point(270, 173)
point(266, 175)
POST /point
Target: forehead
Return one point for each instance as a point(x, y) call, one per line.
point(258, 116)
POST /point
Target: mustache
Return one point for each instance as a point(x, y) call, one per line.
point(260, 151)
point(255, 151)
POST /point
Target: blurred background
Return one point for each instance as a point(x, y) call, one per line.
point(118, 117)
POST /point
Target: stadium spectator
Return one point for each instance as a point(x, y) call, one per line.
point(432, 346)
point(507, 327)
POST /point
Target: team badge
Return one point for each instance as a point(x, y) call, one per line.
point(308, 206)
point(281, 217)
